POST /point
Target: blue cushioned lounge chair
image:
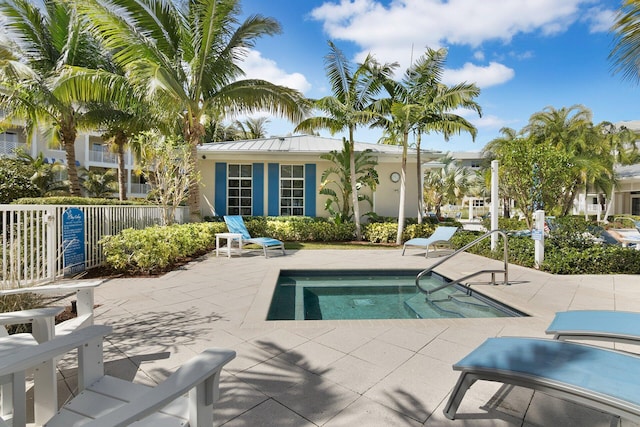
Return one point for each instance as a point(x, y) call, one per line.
point(603, 379)
point(601, 325)
point(442, 236)
point(235, 224)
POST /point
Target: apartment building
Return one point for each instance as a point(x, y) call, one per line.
point(92, 153)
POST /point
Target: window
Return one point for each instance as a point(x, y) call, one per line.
point(239, 190)
point(478, 202)
point(292, 190)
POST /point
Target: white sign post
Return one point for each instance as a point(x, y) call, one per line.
point(537, 234)
point(495, 203)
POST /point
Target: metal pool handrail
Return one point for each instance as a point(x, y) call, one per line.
point(493, 272)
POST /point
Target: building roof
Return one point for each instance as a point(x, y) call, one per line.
point(299, 144)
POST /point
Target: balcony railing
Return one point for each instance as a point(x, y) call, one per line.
point(140, 188)
point(100, 156)
point(8, 148)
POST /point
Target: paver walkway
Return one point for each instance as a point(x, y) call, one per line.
point(340, 373)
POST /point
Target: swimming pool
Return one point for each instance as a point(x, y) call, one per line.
point(378, 294)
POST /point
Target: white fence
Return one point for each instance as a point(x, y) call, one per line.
point(31, 250)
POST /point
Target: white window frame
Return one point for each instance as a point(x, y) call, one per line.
point(243, 191)
point(291, 190)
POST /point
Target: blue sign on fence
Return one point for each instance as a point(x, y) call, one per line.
point(73, 249)
point(537, 234)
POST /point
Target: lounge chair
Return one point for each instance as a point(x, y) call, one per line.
point(442, 235)
point(597, 325)
point(603, 379)
point(108, 401)
point(235, 224)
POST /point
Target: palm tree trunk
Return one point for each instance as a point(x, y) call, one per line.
point(120, 141)
point(354, 189)
point(68, 135)
point(403, 189)
point(193, 132)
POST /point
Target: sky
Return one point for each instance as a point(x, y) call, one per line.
point(525, 55)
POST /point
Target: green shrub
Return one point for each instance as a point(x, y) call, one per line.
point(16, 180)
point(418, 230)
point(520, 249)
point(157, 248)
point(508, 224)
point(380, 232)
point(597, 259)
point(300, 229)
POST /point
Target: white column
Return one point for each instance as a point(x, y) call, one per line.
point(495, 203)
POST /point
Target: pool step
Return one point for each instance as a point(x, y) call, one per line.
point(458, 305)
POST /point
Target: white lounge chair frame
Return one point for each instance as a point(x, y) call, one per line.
point(94, 407)
point(514, 361)
point(441, 236)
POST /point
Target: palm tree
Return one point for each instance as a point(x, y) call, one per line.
point(112, 104)
point(621, 143)
point(253, 127)
point(45, 174)
point(446, 185)
point(42, 41)
point(99, 183)
point(335, 181)
point(185, 57)
point(571, 131)
point(421, 103)
point(351, 105)
point(626, 47)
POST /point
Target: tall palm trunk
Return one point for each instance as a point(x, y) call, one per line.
point(193, 133)
point(354, 189)
point(68, 135)
point(403, 188)
point(120, 140)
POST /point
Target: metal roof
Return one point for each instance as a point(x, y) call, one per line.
point(297, 144)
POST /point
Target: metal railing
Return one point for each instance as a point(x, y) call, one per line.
point(493, 272)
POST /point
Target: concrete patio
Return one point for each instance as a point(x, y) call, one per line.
point(339, 373)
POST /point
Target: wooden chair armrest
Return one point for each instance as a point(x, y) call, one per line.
point(29, 316)
point(25, 357)
point(54, 288)
point(200, 374)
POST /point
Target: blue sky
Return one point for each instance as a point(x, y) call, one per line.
point(525, 55)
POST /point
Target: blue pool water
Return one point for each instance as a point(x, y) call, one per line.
point(385, 294)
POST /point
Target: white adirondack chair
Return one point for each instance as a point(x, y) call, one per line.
point(107, 401)
point(84, 290)
point(44, 329)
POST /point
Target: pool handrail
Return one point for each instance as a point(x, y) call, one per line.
point(493, 272)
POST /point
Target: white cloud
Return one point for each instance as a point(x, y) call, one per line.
point(478, 55)
point(599, 20)
point(390, 31)
point(257, 67)
point(483, 76)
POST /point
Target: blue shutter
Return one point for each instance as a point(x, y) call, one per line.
point(273, 191)
point(310, 189)
point(258, 189)
point(220, 200)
